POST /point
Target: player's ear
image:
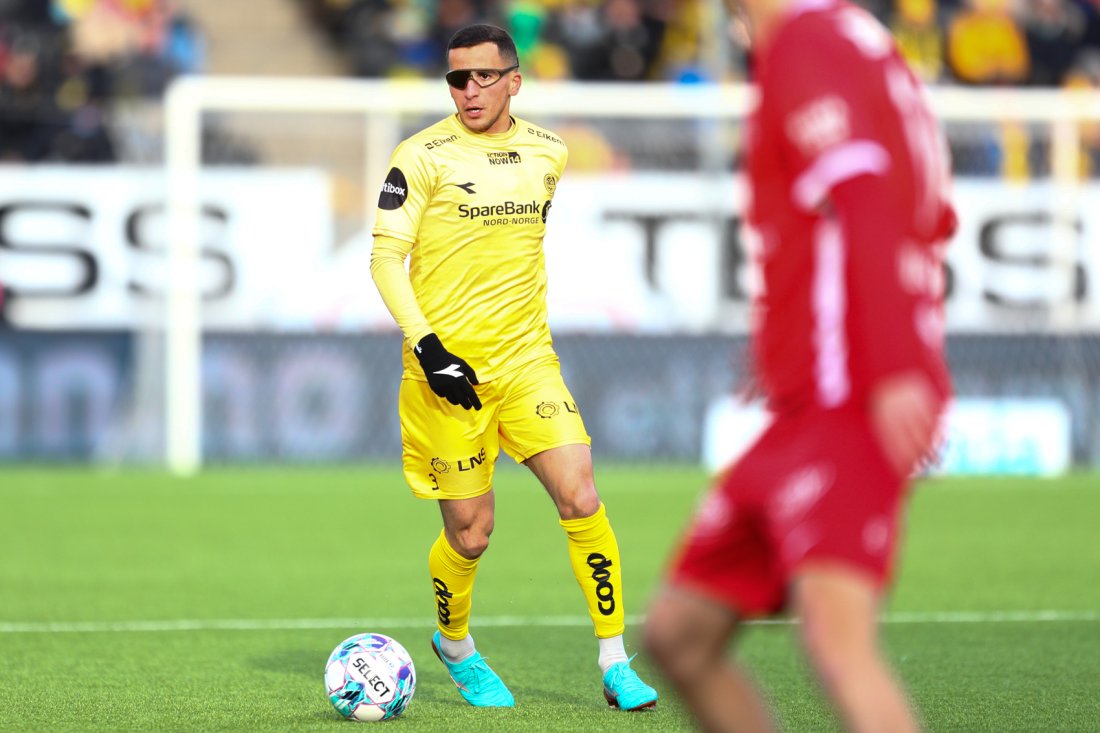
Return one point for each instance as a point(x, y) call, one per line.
point(514, 84)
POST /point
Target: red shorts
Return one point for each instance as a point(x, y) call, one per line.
point(815, 487)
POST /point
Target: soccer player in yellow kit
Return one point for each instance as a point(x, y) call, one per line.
point(468, 198)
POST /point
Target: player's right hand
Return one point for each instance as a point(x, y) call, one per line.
point(449, 376)
point(904, 416)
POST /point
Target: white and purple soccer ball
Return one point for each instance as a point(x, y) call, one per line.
point(370, 677)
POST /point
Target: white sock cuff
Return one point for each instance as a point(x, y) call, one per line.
point(612, 651)
point(456, 651)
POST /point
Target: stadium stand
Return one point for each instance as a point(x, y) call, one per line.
point(966, 42)
point(81, 80)
point(1034, 42)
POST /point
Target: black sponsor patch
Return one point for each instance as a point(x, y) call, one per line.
point(394, 191)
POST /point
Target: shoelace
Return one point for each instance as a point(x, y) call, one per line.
point(626, 678)
point(479, 668)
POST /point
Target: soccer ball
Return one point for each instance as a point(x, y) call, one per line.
point(369, 677)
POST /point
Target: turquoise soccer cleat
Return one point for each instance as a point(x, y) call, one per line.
point(478, 683)
point(623, 688)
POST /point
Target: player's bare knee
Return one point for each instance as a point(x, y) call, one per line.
point(828, 668)
point(833, 656)
point(471, 542)
point(668, 639)
point(814, 636)
point(657, 636)
point(579, 506)
point(578, 501)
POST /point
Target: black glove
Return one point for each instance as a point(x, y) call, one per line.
point(449, 376)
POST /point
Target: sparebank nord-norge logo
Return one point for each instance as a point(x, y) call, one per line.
point(505, 208)
point(506, 212)
point(394, 190)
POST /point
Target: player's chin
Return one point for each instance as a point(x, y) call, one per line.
point(477, 120)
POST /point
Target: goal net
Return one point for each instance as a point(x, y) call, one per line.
point(271, 344)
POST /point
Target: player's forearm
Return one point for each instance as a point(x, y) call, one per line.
point(882, 307)
point(387, 267)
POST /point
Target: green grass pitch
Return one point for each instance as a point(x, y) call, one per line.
point(131, 601)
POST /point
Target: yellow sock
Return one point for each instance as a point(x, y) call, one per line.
point(594, 554)
point(453, 578)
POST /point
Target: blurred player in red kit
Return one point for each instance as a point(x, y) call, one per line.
point(849, 178)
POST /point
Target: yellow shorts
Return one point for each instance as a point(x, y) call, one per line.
point(449, 452)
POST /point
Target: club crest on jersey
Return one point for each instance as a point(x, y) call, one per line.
point(509, 158)
point(819, 124)
point(394, 190)
point(551, 183)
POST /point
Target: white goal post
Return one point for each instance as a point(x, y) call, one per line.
point(383, 102)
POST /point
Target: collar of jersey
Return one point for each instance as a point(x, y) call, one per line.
point(800, 7)
point(493, 141)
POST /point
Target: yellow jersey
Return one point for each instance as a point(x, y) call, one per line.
point(474, 208)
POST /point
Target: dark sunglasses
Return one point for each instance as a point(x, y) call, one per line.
point(459, 78)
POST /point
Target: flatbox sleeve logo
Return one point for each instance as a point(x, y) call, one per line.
point(395, 189)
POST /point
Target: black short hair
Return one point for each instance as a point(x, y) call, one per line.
point(475, 35)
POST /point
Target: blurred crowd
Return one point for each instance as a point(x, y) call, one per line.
point(1028, 43)
point(976, 42)
point(1001, 42)
point(65, 63)
point(610, 40)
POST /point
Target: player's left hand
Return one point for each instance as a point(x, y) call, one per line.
point(449, 376)
point(905, 411)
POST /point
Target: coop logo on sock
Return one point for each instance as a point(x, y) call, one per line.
point(394, 190)
point(443, 596)
point(605, 592)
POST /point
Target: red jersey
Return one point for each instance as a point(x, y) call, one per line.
point(842, 306)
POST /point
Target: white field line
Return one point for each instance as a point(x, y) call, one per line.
point(290, 624)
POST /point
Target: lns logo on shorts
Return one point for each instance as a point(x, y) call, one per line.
point(546, 410)
point(394, 190)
